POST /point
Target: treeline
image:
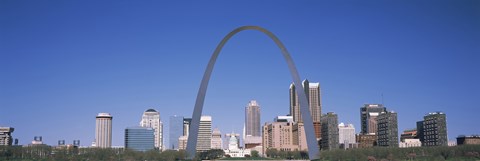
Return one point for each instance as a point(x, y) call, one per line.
point(278, 154)
point(462, 152)
point(47, 153)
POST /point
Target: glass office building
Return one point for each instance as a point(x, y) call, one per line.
point(176, 130)
point(139, 138)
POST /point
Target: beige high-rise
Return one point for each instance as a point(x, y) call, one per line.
point(252, 119)
point(313, 93)
point(103, 130)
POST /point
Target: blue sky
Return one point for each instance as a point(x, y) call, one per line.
point(62, 62)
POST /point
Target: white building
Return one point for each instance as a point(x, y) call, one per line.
point(182, 142)
point(346, 134)
point(204, 139)
point(103, 130)
point(151, 119)
point(410, 143)
point(233, 149)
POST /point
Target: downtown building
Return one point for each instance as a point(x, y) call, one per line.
point(103, 130)
point(252, 119)
point(175, 131)
point(387, 134)
point(151, 119)
point(204, 139)
point(182, 140)
point(283, 135)
point(468, 140)
point(409, 138)
point(252, 134)
point(6, 136)
point(366, 140)
point(368, 117)
point(313, 94)
point(216, 139)
point(368, 121)
point(278, 135)
point(346, 136)
point(233, 150)
point(330, 136)
point(433, 129)
point(139, 138)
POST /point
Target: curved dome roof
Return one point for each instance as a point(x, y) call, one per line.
point(151, 110)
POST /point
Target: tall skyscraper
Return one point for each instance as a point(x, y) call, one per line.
point(329, 131)
point(387, 134)
point(139, 138)
point(368, 117)
point(151, 119)
point(216, 139)
point(252, 119)
point(103, 130)
point(313, 93)
point(204, 139)
point(434, 129)
point(346, 134)
point(176, 130)
point(6, 136)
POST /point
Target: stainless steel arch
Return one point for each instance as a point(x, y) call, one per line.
point(313, 150)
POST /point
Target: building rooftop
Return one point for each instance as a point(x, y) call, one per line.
point(151, 110)
point(104, 115)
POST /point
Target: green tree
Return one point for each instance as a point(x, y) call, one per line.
point(272, 153)
point(255, 154)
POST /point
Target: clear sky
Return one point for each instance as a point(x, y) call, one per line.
point(62, 62)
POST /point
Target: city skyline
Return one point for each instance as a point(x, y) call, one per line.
point(122, 58)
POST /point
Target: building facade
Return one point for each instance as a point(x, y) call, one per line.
point(204, 140)
point(283, 119)
point(182, 142)
point(408, 134)
point(233, 149)
point(329, 131)
point(175, 131)
point(468, 140)
point(278, 135)
point(313, 93)
point(368, 117)
point(366, 140)
point(299, 137)
point(103, 130)
point(434, 129)
point(387, 134)
point(186, 126)
point(346, 135)
point(6, 136)
point(151, 119)
point(139, 138)
point(408, 143)
point(217, 139)
point(252, 119)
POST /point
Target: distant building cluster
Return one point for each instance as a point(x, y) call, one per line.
point(378, 127)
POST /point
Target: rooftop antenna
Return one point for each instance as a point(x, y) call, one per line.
point(382, 100)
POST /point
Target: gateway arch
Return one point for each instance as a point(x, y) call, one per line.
point(313, 150)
